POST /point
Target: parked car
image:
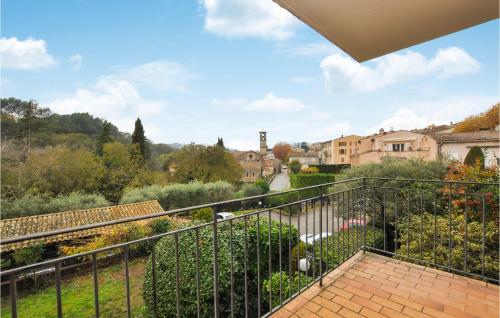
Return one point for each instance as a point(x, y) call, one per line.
point(224, 215)
point(311, 238)
point(353, 223)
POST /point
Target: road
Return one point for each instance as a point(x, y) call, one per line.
point(280, 182)
point(311, 219)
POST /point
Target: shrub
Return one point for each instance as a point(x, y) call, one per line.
point(281, 199)
point(249, 190)
point(409, 242)
point(294, 166)
point(263, 185)
point(304, 180)
point(166, 273)
point(32, 204)
point(29, 255)
point(309, 170)
point(203, 214)
point(162, 225)
point(181, 195)
point(282, 279)
point(475, 156)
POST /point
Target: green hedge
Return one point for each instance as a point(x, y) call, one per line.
point(300, 180)
point(181, 195)
point(335, 168)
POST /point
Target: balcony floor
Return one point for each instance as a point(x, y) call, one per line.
point(370, 285)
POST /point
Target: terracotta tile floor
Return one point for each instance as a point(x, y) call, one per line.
point(369, 285)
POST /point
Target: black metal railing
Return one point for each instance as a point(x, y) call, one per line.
point(251, 264)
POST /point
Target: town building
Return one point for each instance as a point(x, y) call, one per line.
point(339, 150)
point(402, 144)
point(305, 158)
point(258, 164)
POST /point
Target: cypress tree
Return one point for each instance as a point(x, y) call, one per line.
point(104, 138)
point(220, 142)
point(139, 139)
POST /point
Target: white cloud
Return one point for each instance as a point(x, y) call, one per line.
point(76, 60)
point(341, 72)
point(29, 54)
point(160, 75)
point(268, 103)
point(248, 18)
point(422, 114)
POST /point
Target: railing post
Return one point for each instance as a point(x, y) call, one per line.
point(216, 263)
point(321, 236)
point(364, 215)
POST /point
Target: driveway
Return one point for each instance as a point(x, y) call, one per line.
point(280, 182)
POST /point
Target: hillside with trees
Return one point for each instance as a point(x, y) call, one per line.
point(68, 161)
point(488, 120)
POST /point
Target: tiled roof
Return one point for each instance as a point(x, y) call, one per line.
point(468, 136)
point(54, 221)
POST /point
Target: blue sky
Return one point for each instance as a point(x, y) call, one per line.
point(195, 70)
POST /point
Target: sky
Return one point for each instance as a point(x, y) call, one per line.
point(195, 70)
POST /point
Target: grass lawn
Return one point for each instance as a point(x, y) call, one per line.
point(78, 297)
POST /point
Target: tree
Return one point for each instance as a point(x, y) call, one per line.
point(205, 164)
point(282, 151)
point(104, 138)
point(295, 166)
point(474, 156)
point(220, 142)
point(139, 139)
point(304, 146)
point(487, 120)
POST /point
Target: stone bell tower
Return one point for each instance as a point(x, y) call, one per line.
point(263, 142)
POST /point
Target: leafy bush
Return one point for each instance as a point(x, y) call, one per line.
point(203, 214)
point(283, 279)
point(263, 185)
point(309, 170)
point(475, 156)
point(304, 180)
point(294, 166)
point(249, 190)
point(409, 242)
point(32, 204)
point(29, 255)
point(166, 273)
point(281, 199)
point(181, 195)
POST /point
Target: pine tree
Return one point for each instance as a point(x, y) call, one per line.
point(139, 139)
point(104, 138)
point(220, 142)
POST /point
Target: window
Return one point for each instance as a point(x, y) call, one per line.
point(342, 144)
point(398, 147)
point(341, 159)
point(342, 151)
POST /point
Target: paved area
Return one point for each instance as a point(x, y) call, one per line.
point(310, 222)
point(280, 182)
point(369, 285)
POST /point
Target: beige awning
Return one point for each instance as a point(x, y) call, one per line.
point(366, 29)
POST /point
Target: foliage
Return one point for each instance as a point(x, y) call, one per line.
point(334, 168)
point(204, 164)
point(284, 198)
point(139, 140)
point(409, 239)
point(180, 195)
point(34, 204)
point(282, 280)
point(220, 142)
point(487, 120)
point(309, 170)
point(263, 184)
point(104, 138)
point(282, 151)
point(249, 190)
point(60, 171)
point(300, 180)
point(29, 255)
point(475, 156)
point(294, 166)
point(166, 273)
point(203, 214)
